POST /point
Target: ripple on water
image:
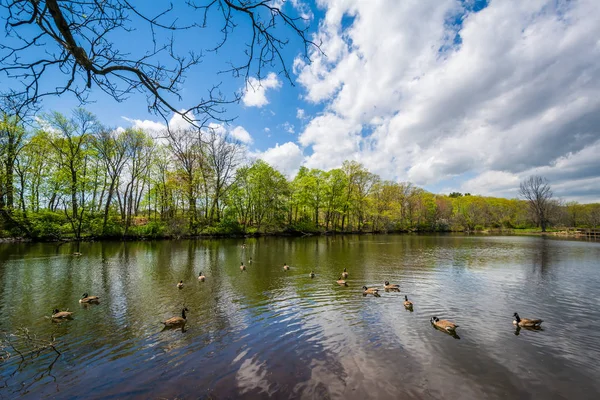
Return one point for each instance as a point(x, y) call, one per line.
point(267, 332)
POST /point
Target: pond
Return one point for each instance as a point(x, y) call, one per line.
point(270, 333)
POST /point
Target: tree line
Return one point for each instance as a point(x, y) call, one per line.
point(74, 178)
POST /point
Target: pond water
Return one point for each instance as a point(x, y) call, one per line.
point(268, 333)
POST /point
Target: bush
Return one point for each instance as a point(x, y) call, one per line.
point(46, 225)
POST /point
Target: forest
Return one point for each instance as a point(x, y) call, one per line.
point(73, 178)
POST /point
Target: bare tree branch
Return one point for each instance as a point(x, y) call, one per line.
point(78, 42)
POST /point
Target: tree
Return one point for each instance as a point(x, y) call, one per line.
point(536, 191)
point(55, 47)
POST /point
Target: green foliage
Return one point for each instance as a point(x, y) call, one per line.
point(80, 180)
point(47, 225)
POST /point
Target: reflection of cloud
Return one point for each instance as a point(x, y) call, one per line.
point(252, 375)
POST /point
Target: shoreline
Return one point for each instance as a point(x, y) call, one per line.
point(565, 233)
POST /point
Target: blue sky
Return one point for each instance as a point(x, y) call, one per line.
point(470, 96)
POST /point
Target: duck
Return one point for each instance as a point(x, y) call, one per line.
point(85, 298)
point(180, 285)
point(286, 267)
point(389, 286)
point(341, 282)
point(201, 277)
point(242, 267)
point(56, 314)
point(407, 303)
point(526, 322)
point(345, 274)
point(176, 321)
point(373, 291)
point(444, 324)
point(312, 274)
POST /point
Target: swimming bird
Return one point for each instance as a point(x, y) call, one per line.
point(77, 254)
point(180, 285)
point(341, 282)
point(388, 286)
point(85, 298)
point(526, 322)
point(345, 274)
point(373, 291)
point(201, 277)
point(443, 324)
point(61, 314)
point(286, 267)
point(250, 260)
point(407, 303)
point(176, 321)
point(312, 274)
point(242, 267)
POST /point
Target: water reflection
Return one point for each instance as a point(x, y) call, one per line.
point(268, 332)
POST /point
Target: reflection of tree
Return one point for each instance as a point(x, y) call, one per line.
point(541, 257)
point(25, 348)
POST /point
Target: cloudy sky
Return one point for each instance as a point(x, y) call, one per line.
point(468, 96)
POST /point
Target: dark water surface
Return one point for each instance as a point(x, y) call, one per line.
point(267, 333)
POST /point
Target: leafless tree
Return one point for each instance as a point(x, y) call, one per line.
point(55, 47)
point(112, 149)
point(536, 191)
point(223, 157)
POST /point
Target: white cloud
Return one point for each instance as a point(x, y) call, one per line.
point(256, 91)
point(289, 128)
point(146, 124)
point(517, 91)
point(287, 158)
point(300, 113)
point(241, 134)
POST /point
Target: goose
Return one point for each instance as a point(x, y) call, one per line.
point(77, 254)
point(201, 277)
point(286, 267)
point(345, 274)
point(85, 298)
point(444, 324)
point(250, 260)
point(526, 322)
point(312, 274)
point(180, 285)
point(407, 303)
point(176, 321)
point(341, 282)
point(61, 314)
point(242, 267)
point(388, 286)
point(373, 291)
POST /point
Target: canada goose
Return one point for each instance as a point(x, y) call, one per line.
point(77, 254)
point(444, 324)
point(201, 277)
point(388, 286)
point(345, 274)
point(407, 303)
point(176, 321)
point(341, 282)
point(312, 274)
point(89, 299)
point(525, 322)
point(250, 260)
point(242, 267)
point(61, 314)
point(286, 267)
point(373, 291)
point(180, 285)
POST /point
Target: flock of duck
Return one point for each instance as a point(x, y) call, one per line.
point(441, 324)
